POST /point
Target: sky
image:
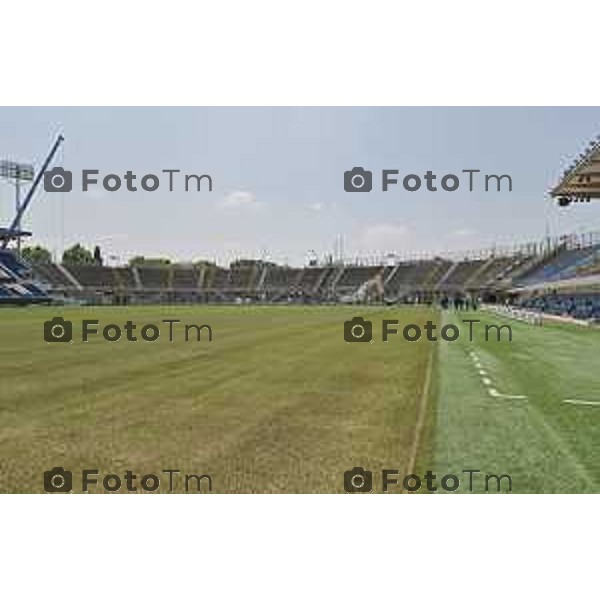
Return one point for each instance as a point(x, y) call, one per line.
point(278, 179)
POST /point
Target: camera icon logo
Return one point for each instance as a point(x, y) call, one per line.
point(358, 480)
point(358, 180)
point(358, 330)
point(58, 180)
point(58, 480)
point(58, 330)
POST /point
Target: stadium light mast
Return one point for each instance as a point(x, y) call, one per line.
point(14, 227)
point(16, 173)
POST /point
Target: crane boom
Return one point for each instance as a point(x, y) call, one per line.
point(31, 192)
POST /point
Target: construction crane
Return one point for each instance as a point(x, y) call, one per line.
point(14, 229)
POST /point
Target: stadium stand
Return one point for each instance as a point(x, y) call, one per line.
point(462, 272)
point(401, 277)
point(154, 277)
point(93, 276)
point(52, 275)
point(5, 274)
point(584, 306)
point(311, 279)
point(353, 277)
point(216, 278)
point(243, 276)
point(565, 263)
point(184, 278)
point(124, 277)
point(435, 271)
point(558, 277)
point(13, 265)
point(16, 283)
point(593, 269)
point(492, 271)
point(421, 274)
point(281, 278)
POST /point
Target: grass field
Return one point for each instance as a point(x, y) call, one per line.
point(543, 442)
point(279, 402)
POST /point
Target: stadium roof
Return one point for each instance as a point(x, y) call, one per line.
point(581, 181)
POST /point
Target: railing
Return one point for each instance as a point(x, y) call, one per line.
point(538, 248)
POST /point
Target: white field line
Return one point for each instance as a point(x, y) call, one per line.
point(584, 402)
point(421, 418)
point(494, 393)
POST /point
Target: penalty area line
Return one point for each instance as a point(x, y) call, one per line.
point(494, 393)
point(583, 402)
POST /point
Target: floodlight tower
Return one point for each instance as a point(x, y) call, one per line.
point(16, 173)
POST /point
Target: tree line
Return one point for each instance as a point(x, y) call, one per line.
point(80, 255)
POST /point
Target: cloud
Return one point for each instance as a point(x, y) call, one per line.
point(463, 233)
point(112, 236)
point(96, 194)
point(238, 199)
point(386, 237)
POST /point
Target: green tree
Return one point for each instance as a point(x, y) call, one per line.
point(36, 255)
point(77, 255)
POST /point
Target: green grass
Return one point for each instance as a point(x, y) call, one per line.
point(544, 444)
point(278, 402)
